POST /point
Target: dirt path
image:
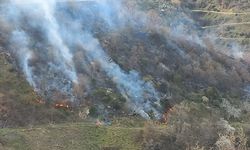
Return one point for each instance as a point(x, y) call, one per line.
point(239, 38)
point(222, 12)
point(226, 24)
point(76, 125)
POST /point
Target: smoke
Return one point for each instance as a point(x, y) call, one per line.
point(62, 51)
point(44, 10)
point(24, 54)
point(31, 16)
point(47, 32)
point(141, 95)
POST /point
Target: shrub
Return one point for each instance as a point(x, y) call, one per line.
point(93, 111)
point(110, 98)
point(236, 141)
point(214, 96)
point(177, 79)
point(231, 111)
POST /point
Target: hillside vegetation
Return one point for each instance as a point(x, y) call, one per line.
point(204, 91)
point(19, 104)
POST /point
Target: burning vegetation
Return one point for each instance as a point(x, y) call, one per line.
point(65, 105)
point(166, 114)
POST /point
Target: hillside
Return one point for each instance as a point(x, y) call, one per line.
point(157, 74)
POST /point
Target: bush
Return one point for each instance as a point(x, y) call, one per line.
point(214, 96)
point(177, 79)
point(230, 110)
point(235, 141)
point(109, 98)
point(93, 111)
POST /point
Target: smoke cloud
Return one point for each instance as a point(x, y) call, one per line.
point(60, 29)
point(141, 96)
point(139, 93)
point(49, 32)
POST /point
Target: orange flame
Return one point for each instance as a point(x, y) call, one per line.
point(62, 105)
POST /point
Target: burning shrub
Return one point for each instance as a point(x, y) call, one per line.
point(66, 105)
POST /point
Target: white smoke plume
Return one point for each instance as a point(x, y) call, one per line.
point(62, 34)
point(141, 96)
point(24, 54)
point(43, 10)
point(132, 87)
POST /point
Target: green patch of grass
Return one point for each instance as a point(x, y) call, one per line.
point(129, 122)
point(82, 136)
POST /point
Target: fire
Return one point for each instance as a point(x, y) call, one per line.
point(166, 114)
point(62, 105)
point(40, 101)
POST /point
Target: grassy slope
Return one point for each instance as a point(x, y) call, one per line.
point(82, 136)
